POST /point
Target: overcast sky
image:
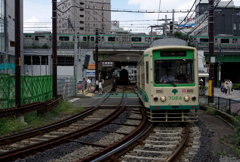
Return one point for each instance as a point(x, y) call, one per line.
point(41, 11)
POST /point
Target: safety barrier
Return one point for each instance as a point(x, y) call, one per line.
point(33, 89)
point(66, 86)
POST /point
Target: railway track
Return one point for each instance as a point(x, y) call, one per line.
point(26, 143)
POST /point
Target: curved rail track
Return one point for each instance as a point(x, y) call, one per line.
point(30, 142)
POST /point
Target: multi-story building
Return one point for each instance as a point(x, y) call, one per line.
point(90, 15)
point(7, 30)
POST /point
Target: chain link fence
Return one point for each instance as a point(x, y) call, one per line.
point(66, 86)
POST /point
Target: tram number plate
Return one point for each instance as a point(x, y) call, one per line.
point(175, 98)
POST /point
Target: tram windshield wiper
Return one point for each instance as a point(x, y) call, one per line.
point(172, 83)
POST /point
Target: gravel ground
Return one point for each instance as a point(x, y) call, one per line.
point(204, 152)
point(229, 159)
point(73, 150)
point(126, 129)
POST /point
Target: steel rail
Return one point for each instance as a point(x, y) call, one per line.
point(42, 146)
point(36, 106)
point(47, 128)
point(180, 150)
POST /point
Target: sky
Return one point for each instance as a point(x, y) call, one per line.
point(36, 11)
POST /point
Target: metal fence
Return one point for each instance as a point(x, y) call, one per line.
point(229, 106)
point(33, 89)
point(66, 86)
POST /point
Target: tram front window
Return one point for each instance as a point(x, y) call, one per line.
point(174, 72)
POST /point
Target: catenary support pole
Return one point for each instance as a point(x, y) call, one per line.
point(17, 55)
point(96, 56)
point(40, 65)
point(54, 46)
point(32, 65)
point(6, 35)
point(173, 19)
point(75, 42)
point(211, 51)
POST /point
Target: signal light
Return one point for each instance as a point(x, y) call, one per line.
point(155, 98)
point(194, 98)
point(193, 107)
point(157, 107)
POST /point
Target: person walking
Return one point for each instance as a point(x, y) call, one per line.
point(222, 87)
point(229, 86)
point(97, 86)
point(89, 82)
point(114, 86)
point(226, 86)
point(84, 85)
point(100, 87)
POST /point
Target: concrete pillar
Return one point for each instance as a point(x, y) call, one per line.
point(21, 119)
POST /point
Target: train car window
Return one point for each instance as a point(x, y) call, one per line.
point(147, 73)
point(37, 37)
point(92, 38)
point(202, 40)
point(111, 39)
point(84, 38)
point(136, 39)
point(64, 38)
point(224, 40)
point(173, 71)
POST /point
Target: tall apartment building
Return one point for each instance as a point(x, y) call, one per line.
point(90, 15)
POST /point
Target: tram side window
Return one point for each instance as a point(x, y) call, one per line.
point(147, 73)
point(37, 37)
point(224, 40)
point(136, 39)
point(142, 74)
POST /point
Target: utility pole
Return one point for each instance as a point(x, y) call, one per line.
point(17, 55)
point(75, 42)
point(211, 51)
point(173, 19)
point(6, 36)
point(96, 56)
point(54, 47)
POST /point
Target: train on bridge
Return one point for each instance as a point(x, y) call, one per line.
point(121, 40)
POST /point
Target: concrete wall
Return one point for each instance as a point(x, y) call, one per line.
point(61, 70)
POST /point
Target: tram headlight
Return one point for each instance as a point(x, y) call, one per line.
point(186, 98)
point(163, 98)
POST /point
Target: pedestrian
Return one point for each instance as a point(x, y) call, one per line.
point(89, 82)
point(229, 86)
point(84, 85)
point(222, 86)
point(100, 87)
point(226, 86)
point(114, 86)
point(201, 81)
point(96, 86)
point(27, 72)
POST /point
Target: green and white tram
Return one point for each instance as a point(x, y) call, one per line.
point(167, 83)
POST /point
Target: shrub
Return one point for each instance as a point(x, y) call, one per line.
point(202, 90)
point(45, 45)
point(236, 86)
point(211, 111)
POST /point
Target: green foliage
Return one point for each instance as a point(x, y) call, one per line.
point(236, 86)
point(211, 111)
point(10, 125)
point(45, 46)
point(202, 90)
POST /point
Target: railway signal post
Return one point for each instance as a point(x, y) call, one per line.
point(211, 52)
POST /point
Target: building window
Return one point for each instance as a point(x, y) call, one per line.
point(81, 3)
point(81, 9)
point(81, 15)
point(81, 28)
point(88, 18)
point(81, 22)
point(234, 26)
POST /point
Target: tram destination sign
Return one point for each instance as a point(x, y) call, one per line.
point(172, 53)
